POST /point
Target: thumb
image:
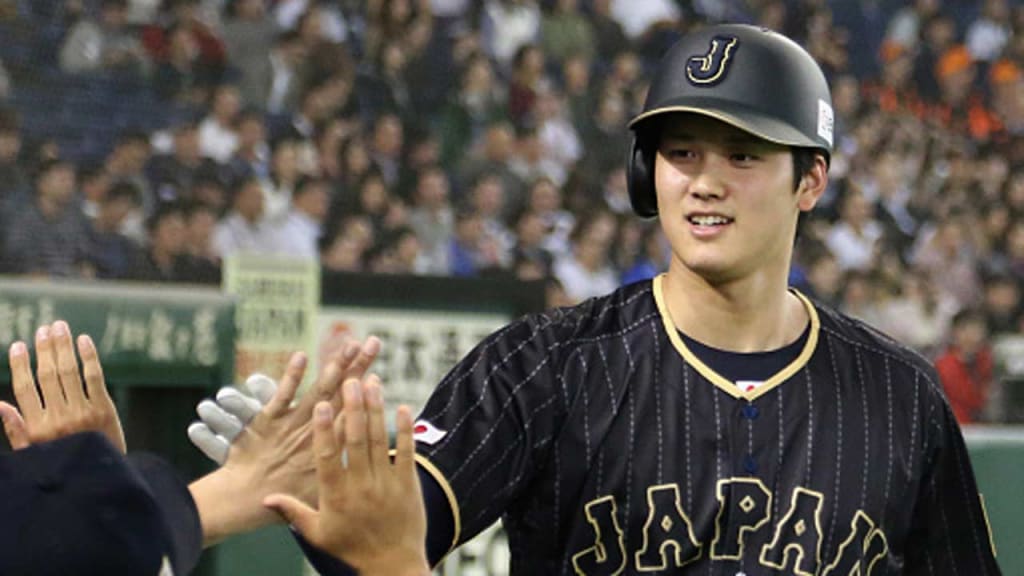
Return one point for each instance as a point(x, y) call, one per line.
point(14, 427)
point(295, 512)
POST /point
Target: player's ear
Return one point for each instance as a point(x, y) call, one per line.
point(812, 184)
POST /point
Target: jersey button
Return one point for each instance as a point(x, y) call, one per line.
point(750, 412)
point(749, 464)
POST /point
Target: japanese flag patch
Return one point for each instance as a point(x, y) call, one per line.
point(423, 431)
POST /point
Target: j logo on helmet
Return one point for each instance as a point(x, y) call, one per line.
point(710, 69)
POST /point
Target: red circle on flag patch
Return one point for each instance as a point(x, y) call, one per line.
point(420, 429)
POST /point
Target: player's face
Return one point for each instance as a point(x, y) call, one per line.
point(726, 198)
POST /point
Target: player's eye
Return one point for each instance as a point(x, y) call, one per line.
point(679, 153)
point(744, 157)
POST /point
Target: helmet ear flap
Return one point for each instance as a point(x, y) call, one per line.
point(640, 178)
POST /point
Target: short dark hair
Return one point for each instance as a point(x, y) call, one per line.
point(803, 162)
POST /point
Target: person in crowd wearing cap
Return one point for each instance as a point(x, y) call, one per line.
point(711, 420)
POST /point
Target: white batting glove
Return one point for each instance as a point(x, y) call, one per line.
point(221, 421)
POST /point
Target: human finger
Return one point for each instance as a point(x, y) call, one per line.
point(238, 404)
point(376, 424)
point(14, 427)
point(355, 430)
point(46, 372)
point(357, 361)
point(215, 447)
point(289, 384)
point(405, 448)
point(261, 386)
point(327, 451)
point(67, 364)
point(219, 421)
point(95, 384)
point(24, 385)
point(295, 512)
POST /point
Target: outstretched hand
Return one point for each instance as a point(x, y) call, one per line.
point(61, 404)
point(370, 510)
point(273, 453)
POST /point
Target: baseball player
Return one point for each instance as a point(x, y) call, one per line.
point(713, 420)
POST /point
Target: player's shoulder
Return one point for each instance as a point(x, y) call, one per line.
point(618, 312)
point(850, 332)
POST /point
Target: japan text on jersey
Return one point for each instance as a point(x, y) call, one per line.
point(608, 447)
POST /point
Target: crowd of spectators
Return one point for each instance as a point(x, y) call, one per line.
point(466, 138)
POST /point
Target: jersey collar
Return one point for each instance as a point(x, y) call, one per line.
point(717, 379)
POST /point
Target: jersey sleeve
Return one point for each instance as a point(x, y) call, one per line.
point(950, 525)
point(485, 431)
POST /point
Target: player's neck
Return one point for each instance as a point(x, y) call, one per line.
point(753, 314)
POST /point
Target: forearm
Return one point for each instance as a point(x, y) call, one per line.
point(226, 506)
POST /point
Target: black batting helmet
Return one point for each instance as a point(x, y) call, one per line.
point(752, 78)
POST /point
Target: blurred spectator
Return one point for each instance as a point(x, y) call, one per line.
point(493, 155)
point(906, 24)
point(532, 160)
point(345, 248)
point(587, 271)
point(398, 252)
point(93, 184)
point(576, 86)
point(1002, 305)
point(558, 137)
point(179, 77)
point(211, 55)
point(946, 253)
point(653, 258)
point(604, 143)
point(244, 229)
point(12, 175)
point(526, 79)
point(544, 199)
point(566, 31)
point(281, 93)
point(824, 277)
point(939, 35)
point(487, 200)
point(200, 222)
point(111, 253)
point(386, 147)
point(48, 236)
point(478, 102)
point(611, 38)
point(468, 254)
point(298, 234)
point(615, 191)
point(854, 239)
point(507, 26)
point(5, 82)
point(432, 219)
point(252, 154)
point(965, 368)
point(531, 261)
point(249, 35)
point(165, 258)
point(963, 108)
point(283, 178)
point(105, 44)
point(637, 18)
point(173, 175)
point(990, 31)
point(919, 315)
point(218, 136)
point(860, 297)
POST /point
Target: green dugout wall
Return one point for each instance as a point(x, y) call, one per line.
point(165, 348)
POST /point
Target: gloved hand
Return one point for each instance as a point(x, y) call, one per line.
point(221, 421)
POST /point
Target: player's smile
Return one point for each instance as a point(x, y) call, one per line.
point(708, 224)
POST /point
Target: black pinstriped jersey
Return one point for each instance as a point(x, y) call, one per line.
point(608, 447)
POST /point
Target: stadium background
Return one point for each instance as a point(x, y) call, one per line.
point(204, 185)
